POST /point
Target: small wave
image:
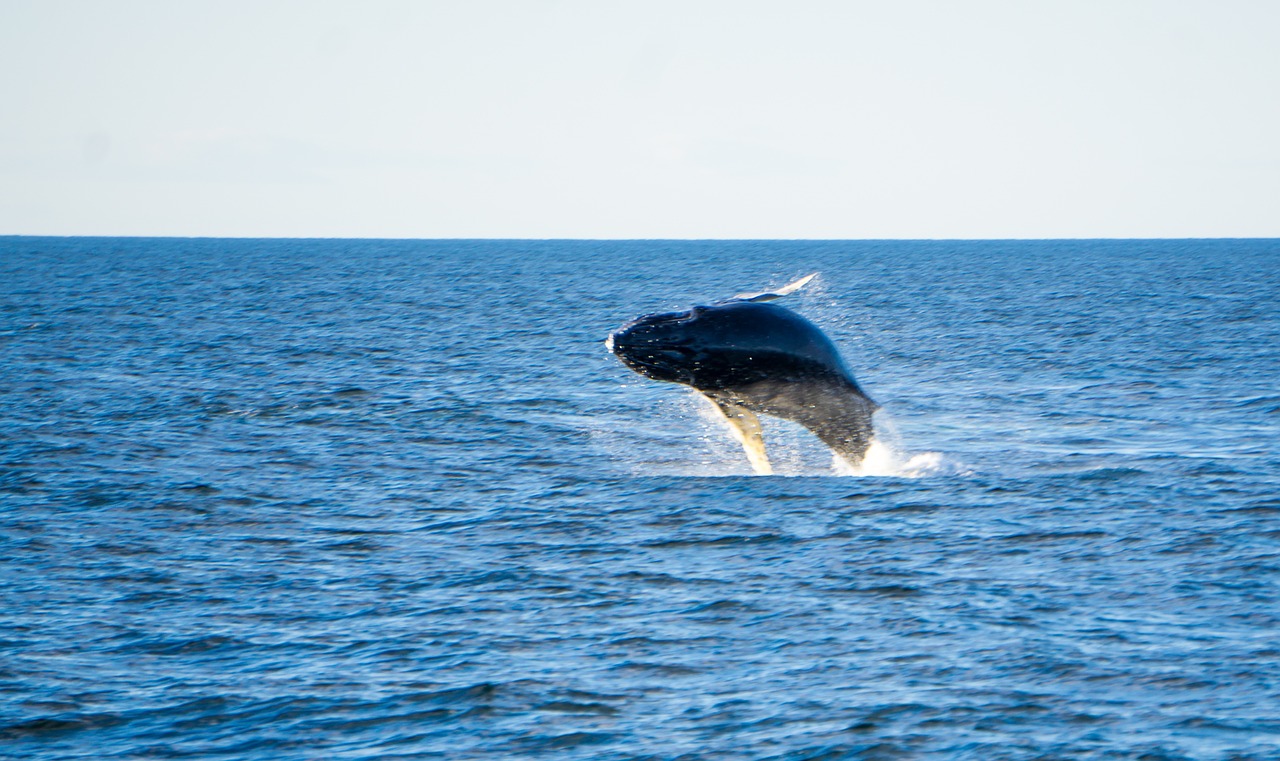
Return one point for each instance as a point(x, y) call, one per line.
point(717, 541)
point(885, 590)
point(1054, 536)
point(1266, 404)
point(1111, 474)
point(45, 727)
point(575, 707)
point(568, 740)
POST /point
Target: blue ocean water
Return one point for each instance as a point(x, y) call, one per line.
point(303, 499)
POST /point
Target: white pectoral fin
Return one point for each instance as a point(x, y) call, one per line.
point(778, 293)
point(745, 427)
point(796, 285)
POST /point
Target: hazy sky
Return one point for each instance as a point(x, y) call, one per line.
point(599, 119)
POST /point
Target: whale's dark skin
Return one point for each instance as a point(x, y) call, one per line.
point(754, 357)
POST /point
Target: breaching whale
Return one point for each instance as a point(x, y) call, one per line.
point(749, 357)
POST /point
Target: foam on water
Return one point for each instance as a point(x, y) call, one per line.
point(888, 457)
point(884, 461)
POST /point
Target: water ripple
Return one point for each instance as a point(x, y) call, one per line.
point(333, 499)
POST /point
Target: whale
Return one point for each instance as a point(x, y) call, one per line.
point(751, 357)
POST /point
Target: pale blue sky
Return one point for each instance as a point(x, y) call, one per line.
point(598, 119)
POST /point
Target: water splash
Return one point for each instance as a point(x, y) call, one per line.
point(884, 460)
point(686, 435)
point(888, 457)
point(792, 450)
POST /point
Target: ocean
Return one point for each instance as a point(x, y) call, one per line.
point(332, 499)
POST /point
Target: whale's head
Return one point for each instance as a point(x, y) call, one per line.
point(725, 345)
point(663, 346)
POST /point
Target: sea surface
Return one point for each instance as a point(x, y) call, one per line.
point(338, 499)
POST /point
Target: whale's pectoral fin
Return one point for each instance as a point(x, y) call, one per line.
point(745, 427)
point(778, 293)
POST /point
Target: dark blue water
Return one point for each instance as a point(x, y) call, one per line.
point(288, 499)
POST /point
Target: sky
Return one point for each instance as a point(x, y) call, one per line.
point(625, 119)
